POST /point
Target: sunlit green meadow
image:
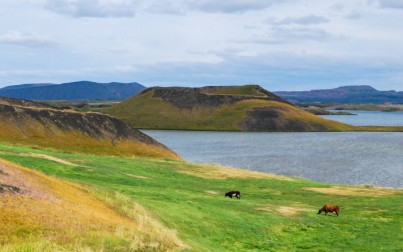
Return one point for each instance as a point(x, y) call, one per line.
point(274, 213)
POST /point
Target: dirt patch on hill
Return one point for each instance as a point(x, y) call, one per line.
point(14, 180)
point(220, 172)
point(354, 191)
point(285, 210)
point(51, 158)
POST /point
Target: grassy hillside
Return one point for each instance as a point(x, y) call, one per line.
point(244, 108)
point(76, 132)
point(43, 213)
point(274, 213)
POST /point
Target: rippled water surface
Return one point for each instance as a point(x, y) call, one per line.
point(357, 158)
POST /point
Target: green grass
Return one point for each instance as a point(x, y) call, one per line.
point(272, 215)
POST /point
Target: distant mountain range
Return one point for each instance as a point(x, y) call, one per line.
point(344, 94)
point(80, 90)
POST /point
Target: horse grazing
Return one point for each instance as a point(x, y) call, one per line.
point(231, 194)
point(330, 208)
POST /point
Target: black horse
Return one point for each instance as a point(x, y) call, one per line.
point(231, 194)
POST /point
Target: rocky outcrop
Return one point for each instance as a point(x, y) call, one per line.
point(23, 103)
point(9, 189)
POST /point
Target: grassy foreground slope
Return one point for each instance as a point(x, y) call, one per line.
point(42, 213)
point(274, 213)
point(235, 108)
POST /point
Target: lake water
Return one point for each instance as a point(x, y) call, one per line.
point(368, 118)
point(359, 158)
point(355, 158)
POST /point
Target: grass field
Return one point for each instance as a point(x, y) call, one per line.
point(274, 213)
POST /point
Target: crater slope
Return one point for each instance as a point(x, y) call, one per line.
point(228, 108)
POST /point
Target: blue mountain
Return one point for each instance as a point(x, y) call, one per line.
point(344, 94)
point(72, 91)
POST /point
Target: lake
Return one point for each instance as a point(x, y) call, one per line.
point(356, 158)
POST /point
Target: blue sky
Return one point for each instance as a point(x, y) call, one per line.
point(278, 44)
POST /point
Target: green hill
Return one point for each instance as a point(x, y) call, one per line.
point(230, 108)
point(275, 213)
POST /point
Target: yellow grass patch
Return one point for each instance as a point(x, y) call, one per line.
point(284, 210)
point(212, 192)
point(51, 158)
point(221, 172)
point(135, 176)
point(353, 191)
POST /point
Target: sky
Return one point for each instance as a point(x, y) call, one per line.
point(278, 44)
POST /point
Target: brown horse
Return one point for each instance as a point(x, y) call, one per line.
point(330, 208)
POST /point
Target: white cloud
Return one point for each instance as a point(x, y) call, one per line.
point(94, 8)
point(203, 41)
point(26, 39)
